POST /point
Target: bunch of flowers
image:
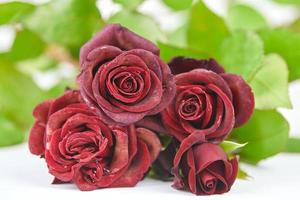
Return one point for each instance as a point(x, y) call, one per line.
point(108, 133)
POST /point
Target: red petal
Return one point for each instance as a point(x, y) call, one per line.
point(139, 166)
point(207, 153)
point(151, 140)
point(243, 98)
point(180, 65)
point(116, 35)
point(41, 111)
point(36, 140)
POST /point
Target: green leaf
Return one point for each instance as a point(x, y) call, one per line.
point(130, 4)
point(243, 175)
point(165, 140)
point(140, 24)
point(270, 84)
point(287, 44)
point(292, 2)
point(70, 23)
point(231, 147)
point(206, 30)
point(241, 53)
point(242, 17)
point(18, 95)
point(178, 4)
point(14, 11)
point(293, 145)
point(266, 133)
point(10, 133)
point(167, 52)
point(26, 45)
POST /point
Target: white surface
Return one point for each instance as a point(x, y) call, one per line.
point(24, 176)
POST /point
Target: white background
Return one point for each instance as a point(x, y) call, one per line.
point(24, 176)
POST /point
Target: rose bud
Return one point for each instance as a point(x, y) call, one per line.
point(208, 101)
point(203, 168)
point(123, 77)
point(80, 148)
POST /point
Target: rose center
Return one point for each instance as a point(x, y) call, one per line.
point(81, 145)
point(92, 172)
point(127, 84)
point(210, 184)
point(191, 108)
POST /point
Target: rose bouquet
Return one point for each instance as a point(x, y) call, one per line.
point(112, 131)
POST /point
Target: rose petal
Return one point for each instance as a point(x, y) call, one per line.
point(116, 35)
point(153, 123)
point(120, 158)
point(139, 166)
point(180, 65)
point(243, 98)
point(228, 118)
point(192, 171)
point(36, 140)
point(41, 111)
point(185, 145)
point(69, 97)
point(151, 140)
point(207, 153)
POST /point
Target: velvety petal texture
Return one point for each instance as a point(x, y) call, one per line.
point(203, 169)
point(123, 77)
point(79, 147)
point(208, 101)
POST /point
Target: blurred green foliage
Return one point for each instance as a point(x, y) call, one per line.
point(50, 34)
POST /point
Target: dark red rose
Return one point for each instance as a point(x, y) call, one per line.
point(208, 101)
point(203, 168)
point(123, 77)
point(79, 147)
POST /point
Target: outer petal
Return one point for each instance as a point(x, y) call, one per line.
point(116, 35)
point(69, 97)
point(180, 65)
point(41, 111)
point(232, 177)
point(207, 153)
point(151, 140)
point(243, 98)
point(37, 139)
point(153, 123)
point(136, 171)
point(37, 133)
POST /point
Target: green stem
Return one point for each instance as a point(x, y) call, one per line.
point(293, 145)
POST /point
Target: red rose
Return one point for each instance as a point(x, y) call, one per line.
point(123, 77)
point(208, 101)
point(203, 169)
point(80, 148)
